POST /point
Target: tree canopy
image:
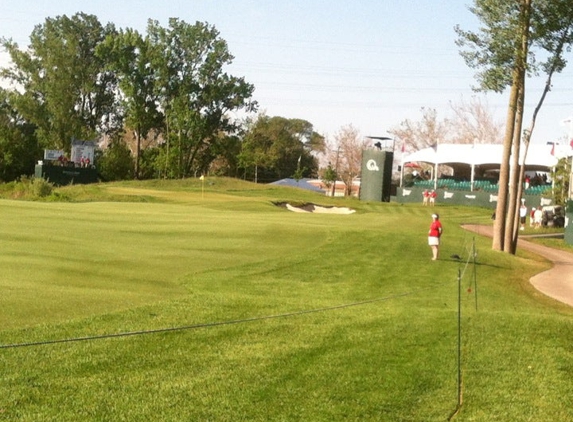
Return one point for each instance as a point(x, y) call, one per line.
point(62, 88)
point(513, 35)
point(18, 145)
point(277, 147)
point(81, 79)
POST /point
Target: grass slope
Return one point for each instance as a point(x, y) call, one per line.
point(303, 316)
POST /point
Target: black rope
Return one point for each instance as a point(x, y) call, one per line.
point(206, 325)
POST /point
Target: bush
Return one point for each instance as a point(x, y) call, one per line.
point(41, 188)
point(28, 188)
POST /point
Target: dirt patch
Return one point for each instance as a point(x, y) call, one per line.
point(314, 208)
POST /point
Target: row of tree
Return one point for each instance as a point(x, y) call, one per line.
point(163, 97)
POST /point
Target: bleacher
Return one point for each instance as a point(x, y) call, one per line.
point(483, 185)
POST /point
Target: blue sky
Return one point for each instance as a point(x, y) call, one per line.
point(369, 63)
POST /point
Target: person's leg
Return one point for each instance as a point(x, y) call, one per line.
point(434, 252)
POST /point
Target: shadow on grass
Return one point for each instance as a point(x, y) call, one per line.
point(457, 259)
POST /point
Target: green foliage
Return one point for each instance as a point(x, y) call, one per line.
point(151, 164)
point(276, 147)
point(18, 144)
point(497, 47)
point(299, 173)
point(116, 162)
point(227, 163)
point(41, 188)
point(561, 177)
point(197, 95)
point(494, 47)
point(30, 188)
point(64, 91)
point(130, 56)
point(329, 176)
point(80, 79)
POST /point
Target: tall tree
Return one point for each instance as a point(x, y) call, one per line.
point(256, 147)
point(560, 25)
point(65, 92)
point(423, 133)
point(346, 154)
point(504, 51)
point(18, 145)
point(129, 56)
point(276, 147)
point(196, 94)
point(473, 122)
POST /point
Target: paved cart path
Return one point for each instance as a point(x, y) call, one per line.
point(557, 282)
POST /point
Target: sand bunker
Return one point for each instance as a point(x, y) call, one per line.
point(313, 208)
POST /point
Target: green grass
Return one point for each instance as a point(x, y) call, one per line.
point(135, 256)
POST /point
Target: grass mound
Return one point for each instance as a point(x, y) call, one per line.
point(275, 315)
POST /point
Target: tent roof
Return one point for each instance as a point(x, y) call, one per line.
point(302, 183)
point(487, 156)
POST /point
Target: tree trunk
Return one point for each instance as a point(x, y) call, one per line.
point(166, 144)
point(137, 151)
point(501, 207)
point(516, 223)
point(514, 200)
point(514, 183)
point(517, 86)
point(180, 161)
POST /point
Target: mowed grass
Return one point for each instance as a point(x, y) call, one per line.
point(283, 316)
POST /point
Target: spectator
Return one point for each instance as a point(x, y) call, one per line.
point(537, 217)
point(434, 235)
point(433, 196)
point(522, 215)
point(532, 217)
point(425, 196)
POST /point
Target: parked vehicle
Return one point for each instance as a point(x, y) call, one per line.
point(553, 216)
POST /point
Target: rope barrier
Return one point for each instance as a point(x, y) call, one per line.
point(207, 325)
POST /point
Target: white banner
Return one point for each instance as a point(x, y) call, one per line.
point(53, 154)
point(82, 150)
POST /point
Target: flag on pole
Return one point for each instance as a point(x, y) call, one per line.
point(553, 149)
point(202, 178)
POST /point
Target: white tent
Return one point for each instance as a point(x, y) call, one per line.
point(469, 160)
point(539, 157)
